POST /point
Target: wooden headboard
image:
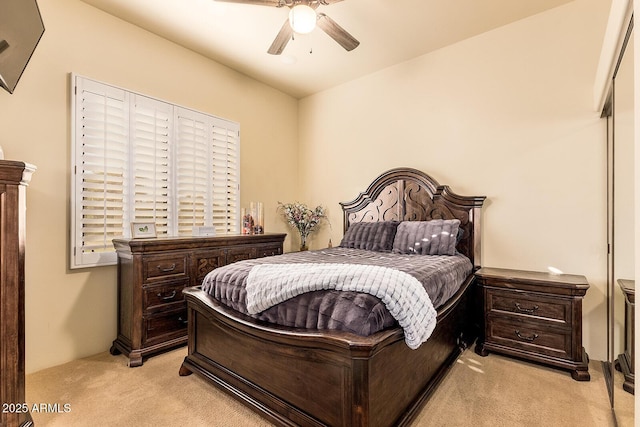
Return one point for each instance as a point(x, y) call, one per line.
point(405, 194)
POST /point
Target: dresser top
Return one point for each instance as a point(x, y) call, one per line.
point(628, 287)
point(534, 277)
point(14, 172)
point(187, 242)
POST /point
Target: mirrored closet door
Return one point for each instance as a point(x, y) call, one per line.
point(621, 214)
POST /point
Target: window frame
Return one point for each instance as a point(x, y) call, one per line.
point(219, 136)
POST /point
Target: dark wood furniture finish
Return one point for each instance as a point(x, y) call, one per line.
point(152, 313)
point(298, 377)
point(535, 316)
point(14, 178)
point(625, 362)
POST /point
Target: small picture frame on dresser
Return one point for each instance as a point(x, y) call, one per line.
point(143, 230)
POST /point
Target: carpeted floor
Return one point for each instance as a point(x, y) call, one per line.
point(491, 391)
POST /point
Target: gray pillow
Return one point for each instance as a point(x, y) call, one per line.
point(435, 237)
point(372, 236)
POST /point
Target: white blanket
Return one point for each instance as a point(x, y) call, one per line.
point(402, 294)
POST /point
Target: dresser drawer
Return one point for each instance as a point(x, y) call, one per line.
point(528, 304)
point(206, 261)
point(165, 326)
point(162, 267)
point(164, 297)
point(241, 253)
point(269, 250)
point(531, 337)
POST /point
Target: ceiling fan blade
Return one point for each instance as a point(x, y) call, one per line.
point(336, 32)
point(275, 3)
point(281, 40)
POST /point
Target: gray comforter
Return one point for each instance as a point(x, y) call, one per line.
point(363, 314)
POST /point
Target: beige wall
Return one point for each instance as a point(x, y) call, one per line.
point(507, 114)
point(71, 314)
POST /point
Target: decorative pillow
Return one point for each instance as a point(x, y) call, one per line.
point(372, 236)
point(435, 237)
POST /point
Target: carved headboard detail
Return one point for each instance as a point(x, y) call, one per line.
point(405, 194)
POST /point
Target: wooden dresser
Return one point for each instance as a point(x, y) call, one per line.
point(14, 178)
point(152, 313)
point(535, 316)
point(625, 362)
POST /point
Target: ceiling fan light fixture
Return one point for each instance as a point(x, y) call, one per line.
point(302, 19)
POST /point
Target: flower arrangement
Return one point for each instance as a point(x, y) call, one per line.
point(303, 218)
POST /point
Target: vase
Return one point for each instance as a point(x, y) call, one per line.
point(303, 243)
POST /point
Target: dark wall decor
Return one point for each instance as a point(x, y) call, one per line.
point(21, 28)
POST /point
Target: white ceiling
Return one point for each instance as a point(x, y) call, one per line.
point(389, 31)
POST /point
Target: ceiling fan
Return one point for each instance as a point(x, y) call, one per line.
point(303, 18)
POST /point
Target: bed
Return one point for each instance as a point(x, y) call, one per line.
point(297, 376)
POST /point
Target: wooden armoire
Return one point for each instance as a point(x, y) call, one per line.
point(14, 178)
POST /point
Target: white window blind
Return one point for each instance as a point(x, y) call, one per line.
point(149, 190)
point(139, 159)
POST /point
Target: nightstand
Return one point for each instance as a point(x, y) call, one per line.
point(534, 316)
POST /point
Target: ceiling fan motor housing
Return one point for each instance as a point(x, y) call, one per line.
point(302, 18)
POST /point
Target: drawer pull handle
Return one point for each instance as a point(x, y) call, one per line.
point(526, 310)
point(167, 297)
point(168, 269)
point(522, 337)
point(182, 321)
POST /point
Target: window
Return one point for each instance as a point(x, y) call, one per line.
point(138, 159)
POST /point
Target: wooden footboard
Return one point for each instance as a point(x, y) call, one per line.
point(302, 378)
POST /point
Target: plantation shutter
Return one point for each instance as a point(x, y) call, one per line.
point(139, 159)
point(207, 172)
point(149, 192)
point(225, 180)
point(101, 165)
point(193, 171)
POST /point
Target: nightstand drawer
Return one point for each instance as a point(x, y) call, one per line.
point(554, 342)
point(165, 326)
point(163, 297)
point(164, 267)
point(527, 304)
